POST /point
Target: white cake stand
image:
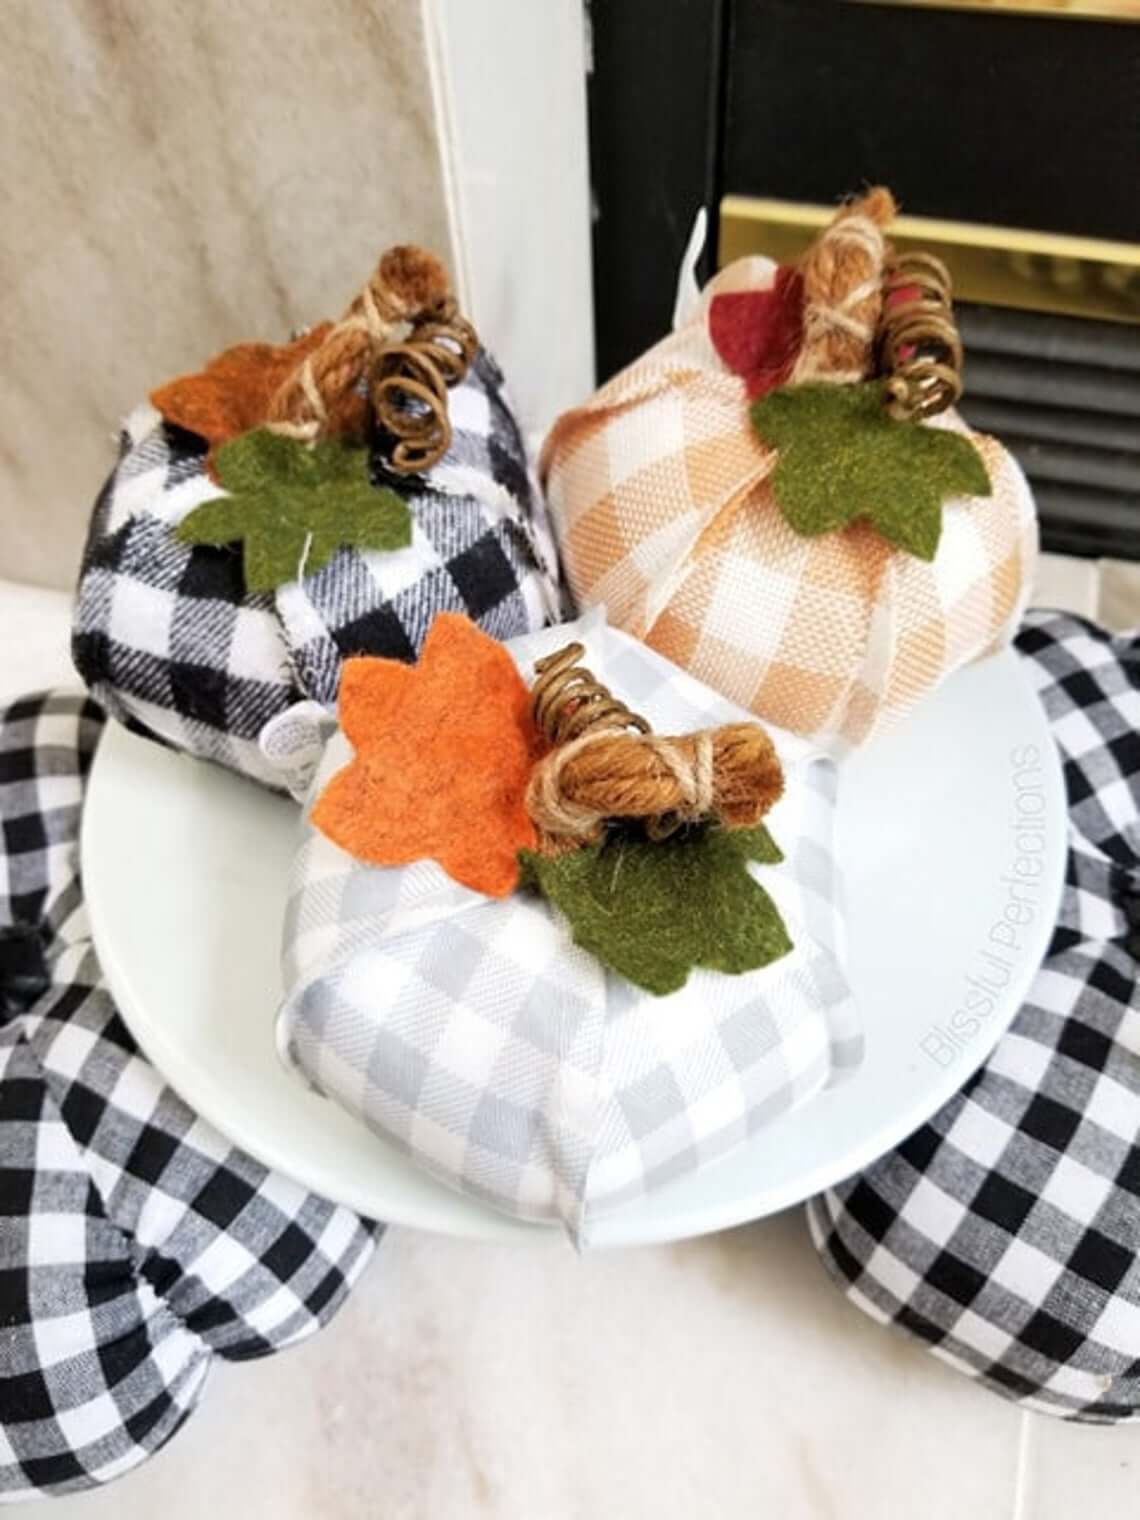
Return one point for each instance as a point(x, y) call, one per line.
point(952, 840)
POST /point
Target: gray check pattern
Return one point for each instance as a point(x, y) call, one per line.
point(168, 640)
point(136, 1244)
point(481, 1040)
point(1005, 1233)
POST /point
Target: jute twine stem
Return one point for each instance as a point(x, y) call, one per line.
point(403, 338)
point(868, 311)
point(843, 275)
point(600, 770)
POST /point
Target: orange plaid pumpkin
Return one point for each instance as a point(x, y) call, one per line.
point(660, 490)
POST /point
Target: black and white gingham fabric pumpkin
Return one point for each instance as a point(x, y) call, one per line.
point(136, 1244)
point(1005, 1233)
point(169, 640)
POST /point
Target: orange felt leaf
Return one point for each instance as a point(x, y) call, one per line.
point(369, 697)
point(444, 751)
point(232, 394)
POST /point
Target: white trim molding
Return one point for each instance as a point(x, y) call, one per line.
point(509, 78)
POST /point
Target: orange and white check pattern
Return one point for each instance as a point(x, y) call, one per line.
point(659, 489)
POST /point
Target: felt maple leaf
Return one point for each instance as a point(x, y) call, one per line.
point(652, 910)
point(292, 507)
point(758, 333)
point(232, 394)
point(444, 750)
point(843, 457)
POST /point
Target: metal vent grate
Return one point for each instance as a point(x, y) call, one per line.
point(1063, 394)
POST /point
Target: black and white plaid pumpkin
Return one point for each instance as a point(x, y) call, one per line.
point(169, 640)
point(136, 1244)
point(1005, 1232)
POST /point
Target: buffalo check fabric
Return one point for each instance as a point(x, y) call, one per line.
point(1005, 1233)
point(167, 638)
point(135, 1243)
point(480, 546)
point(660, 492)
point(164, 635)
point(505, 1059)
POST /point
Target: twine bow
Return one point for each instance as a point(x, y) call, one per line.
point(599, 769)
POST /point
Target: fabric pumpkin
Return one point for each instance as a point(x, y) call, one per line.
point(662, 494)
point(169, 639)
point(1005, 1233)
point(478, 1037)
point(136, 1244)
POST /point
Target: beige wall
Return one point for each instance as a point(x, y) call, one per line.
point(175, 176)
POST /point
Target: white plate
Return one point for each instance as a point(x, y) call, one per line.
point(952, 840)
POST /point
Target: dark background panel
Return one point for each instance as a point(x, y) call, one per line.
point(1018, 120)
point(655, 101)
point(1063, 395)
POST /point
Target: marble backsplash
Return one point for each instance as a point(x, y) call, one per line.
point(177, 178)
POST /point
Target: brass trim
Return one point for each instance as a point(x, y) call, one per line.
point(999, 266)
point(1058, 10)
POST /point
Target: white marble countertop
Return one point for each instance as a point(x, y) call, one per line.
point(719, 1377)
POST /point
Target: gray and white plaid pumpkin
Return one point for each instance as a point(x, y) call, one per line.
point(168, 639)
point(478, 1038)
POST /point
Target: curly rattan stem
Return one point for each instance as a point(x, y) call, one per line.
point(918, 344)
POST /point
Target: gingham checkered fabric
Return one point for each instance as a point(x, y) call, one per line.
point(1005, 1233)
point(168, 640)
point(481, 1040)
point(660, 493)
point(135, 1243)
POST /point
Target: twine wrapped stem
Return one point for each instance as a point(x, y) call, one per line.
point(401, 342)
point(607, 765)
point(843, 275)
point(869, 311)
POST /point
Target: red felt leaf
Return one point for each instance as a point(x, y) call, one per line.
point(758, 332)
point(896, 297)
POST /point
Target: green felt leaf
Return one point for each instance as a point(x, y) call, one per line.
point(843, 457)
point(654, 910)
point(291, 506)
point(760, 845)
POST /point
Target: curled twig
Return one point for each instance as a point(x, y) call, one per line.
point(918, 343)
point(408, 386)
